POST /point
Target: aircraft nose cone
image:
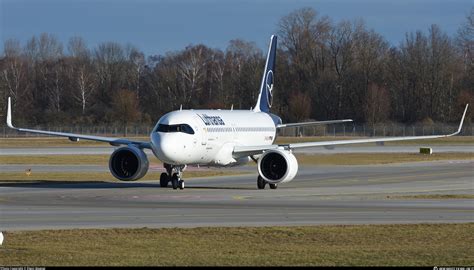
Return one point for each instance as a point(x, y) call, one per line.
point(168, 148)
point(165, 147)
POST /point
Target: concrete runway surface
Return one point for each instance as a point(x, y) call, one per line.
point(318, 195)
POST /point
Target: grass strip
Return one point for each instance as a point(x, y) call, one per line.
point(55, 142)
point(56, 159)
point(352, 245)
point(378, 158)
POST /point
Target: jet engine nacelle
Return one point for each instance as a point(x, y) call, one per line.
point(128, 163)
point(277, 166)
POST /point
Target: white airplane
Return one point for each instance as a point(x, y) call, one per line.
point(219, 138)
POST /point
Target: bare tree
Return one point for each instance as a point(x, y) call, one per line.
point(304, 34)
point(299, 106)
point(370, 52)
point(86, 83)
point(377, 108)
point(81, 72)
point(465, 41)
point(243, 61)
point(77, 48)
point(341, 48)
point(110, 62)
point(125, 107)
point(48, 61)
point(49, 47)
point(442, 71)
point(137, 65)
point(52, 74)
point(14, 70)
point(218, 72)
point(192, 67)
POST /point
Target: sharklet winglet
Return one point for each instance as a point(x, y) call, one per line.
point(462, 120)
point(9, 114)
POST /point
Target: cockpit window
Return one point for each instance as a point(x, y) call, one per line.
point(175, 128)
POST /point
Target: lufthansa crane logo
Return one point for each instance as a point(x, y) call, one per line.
point(269, 85)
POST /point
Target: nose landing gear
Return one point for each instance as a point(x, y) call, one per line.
point(173, 174)
point(177, 182)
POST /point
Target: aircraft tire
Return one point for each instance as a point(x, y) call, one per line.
point(273, 186)
point(164, 180)
point(181, 184)
point(174, 181)
point(260, 183)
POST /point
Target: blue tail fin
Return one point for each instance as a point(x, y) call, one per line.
point(264, 102)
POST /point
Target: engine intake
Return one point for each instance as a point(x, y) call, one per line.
point(277, 166)
point(128, 163)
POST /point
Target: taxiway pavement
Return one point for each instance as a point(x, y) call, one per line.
point(319, 195)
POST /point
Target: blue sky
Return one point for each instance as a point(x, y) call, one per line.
point(156, 27)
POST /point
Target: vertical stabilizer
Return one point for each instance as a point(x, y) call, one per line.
point(264, 102)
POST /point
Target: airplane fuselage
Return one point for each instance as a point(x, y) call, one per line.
point(218, 138)
point(208, 137)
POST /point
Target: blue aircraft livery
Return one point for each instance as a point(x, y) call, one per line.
point(266, 87)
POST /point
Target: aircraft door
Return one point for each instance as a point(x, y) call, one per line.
point(196, 135)
point(204, 135)
point(202, 130)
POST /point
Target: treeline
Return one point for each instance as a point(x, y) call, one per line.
point(325, 70)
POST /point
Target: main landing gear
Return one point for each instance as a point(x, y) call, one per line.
point(261, 183)
point(173, 174)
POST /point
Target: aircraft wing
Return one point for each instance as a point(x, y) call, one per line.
point(76, 137)
point(314, 123)
point(240, 151)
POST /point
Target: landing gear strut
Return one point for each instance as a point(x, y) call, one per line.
point(173, 174)
point(261, 183)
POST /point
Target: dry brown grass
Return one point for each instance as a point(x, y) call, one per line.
point(378, 158)
point(354, 245)
point(54, 142)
